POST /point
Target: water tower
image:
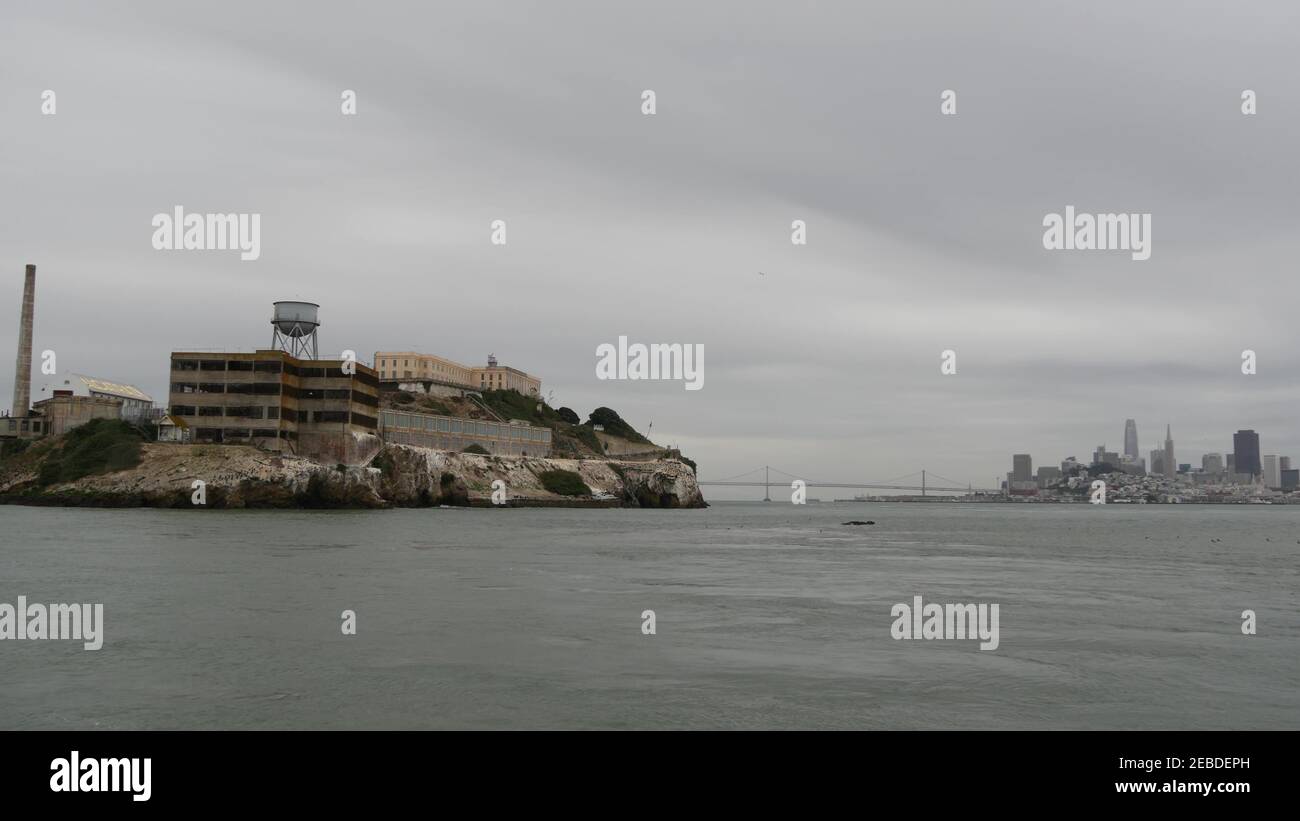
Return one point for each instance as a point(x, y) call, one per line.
point(293, 328)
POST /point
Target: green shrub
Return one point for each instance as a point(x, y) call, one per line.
point(476, 449)
point(564, 483)
point(587, 436)
point(99, 446)
point(615, 426)
point(435, 406)
point(512, 404)
point(14, 447)
point(384, 462)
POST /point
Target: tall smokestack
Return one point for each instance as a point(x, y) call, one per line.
point(23, 367)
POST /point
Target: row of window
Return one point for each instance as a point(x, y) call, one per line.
point(258, 366)
point(274, 389)
point(234, 434)
point(244, 412)
point(444, 424)
point(257, 412)
point(271, 366)
point(256, 388)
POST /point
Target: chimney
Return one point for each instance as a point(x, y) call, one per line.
point(23, 366)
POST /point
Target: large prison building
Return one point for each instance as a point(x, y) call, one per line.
point(309, 407)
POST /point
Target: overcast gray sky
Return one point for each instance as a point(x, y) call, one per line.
point(924, 231)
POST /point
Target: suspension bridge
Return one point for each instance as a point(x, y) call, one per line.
point(750, 479)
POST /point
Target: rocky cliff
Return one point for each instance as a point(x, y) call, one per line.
point(236, 476)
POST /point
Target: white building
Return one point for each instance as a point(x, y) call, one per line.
point(173, 429)
point(136, 404)
point(1272, 472)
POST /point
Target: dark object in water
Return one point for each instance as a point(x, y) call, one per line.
point(856, 522)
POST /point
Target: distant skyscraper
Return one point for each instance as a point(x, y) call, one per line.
point(1231, 463)
point(1157, 467)
point(1212, 463)
point(1245, 446)
point(1131, 439)
point(1171, 466)
point(1101, 456)
point(1285, 462)
point(1272, 472)
point(1022, 468)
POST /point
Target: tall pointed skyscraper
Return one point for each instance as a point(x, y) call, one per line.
point(1131, 439)
point(1171, 466)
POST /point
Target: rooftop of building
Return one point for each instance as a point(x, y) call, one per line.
point(266, 353)
point(119, 389)
point(491, 366)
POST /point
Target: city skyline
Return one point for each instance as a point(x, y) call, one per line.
point(1247, 453)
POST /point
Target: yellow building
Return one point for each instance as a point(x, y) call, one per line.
point(404, 366)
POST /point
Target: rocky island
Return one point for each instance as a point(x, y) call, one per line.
point(111, 463)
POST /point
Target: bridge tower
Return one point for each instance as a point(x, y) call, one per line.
point(767, 490)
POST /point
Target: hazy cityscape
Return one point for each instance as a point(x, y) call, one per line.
point(1242, 475)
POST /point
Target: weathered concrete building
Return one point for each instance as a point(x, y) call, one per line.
point(64, 411)
point(320, 408)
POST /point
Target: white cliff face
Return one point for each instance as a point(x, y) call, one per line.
point(412, 474)
point(397, 475)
